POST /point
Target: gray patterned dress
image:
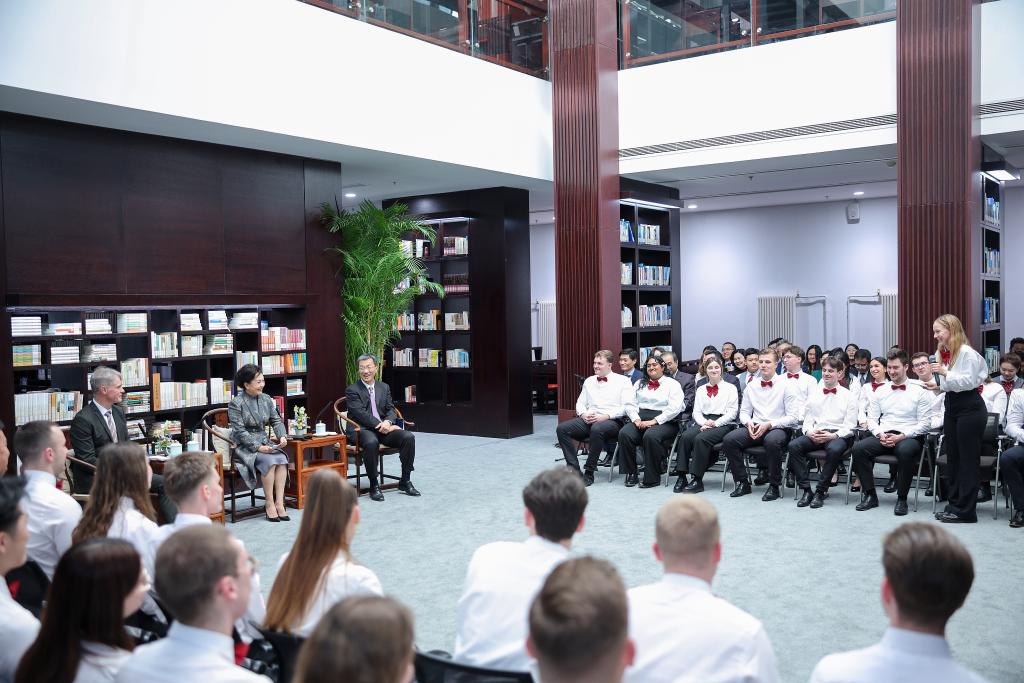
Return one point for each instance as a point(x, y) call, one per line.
point(249, 417)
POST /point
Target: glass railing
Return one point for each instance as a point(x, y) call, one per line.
point(509, 32)
point(662, 30)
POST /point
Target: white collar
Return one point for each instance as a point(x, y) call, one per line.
point(40, 476)
point(126, 504)
point(541, 542)
point(369, 386)
point(203, 639)
point(688, 581)
point(913, 642)
point(103, 411)
point(185, 519)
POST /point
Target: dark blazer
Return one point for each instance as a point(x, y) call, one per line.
point(88, 435)
point(636, 375)
point(689, 389)
point(357, 400)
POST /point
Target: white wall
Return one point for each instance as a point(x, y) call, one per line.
point(542, 269)
point(1013, 265)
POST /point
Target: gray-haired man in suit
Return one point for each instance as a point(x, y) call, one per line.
point(369, 404)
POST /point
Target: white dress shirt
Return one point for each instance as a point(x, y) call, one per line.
point(186, 654)
point(726, 404)
point(18, 629)
point(137, 529)
point(901, 657)
point(996, 399)
point(867, 390)
point(100, 663)
point(969, 372)
point(668, 399)
point(903, 410)
point(831, 411)
point(342, 579)
point(1015, 416)
point(685, 633)
point(501, 582)
point(52, 516)
point(778, 404)
point(804, 384)
point(607, 398)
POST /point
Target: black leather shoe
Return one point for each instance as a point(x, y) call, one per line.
point(376, 495)
point(817, 501)
point(984, 494)
point(890, 486)
point(805, 499)
point(649, 484)
point(407, 488)
point(901, 508)
point(742, 489)
point(868, 500)
point(695, 486)
point(1018, 519)
point(762, 478)
point(953, 518)
point(588, 478)
point(790, 482)
point(680, 484)
point(943, 511)
point(772, 493)
point(855, 488)
point(631, 480)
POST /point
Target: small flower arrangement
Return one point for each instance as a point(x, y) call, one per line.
point(161, 439)
point(300, 420)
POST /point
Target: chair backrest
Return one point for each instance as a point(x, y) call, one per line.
point(28, 585)
point(434, 669)
point(287, 646)
point(991, 434)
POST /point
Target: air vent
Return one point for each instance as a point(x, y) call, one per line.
point(1000, 107)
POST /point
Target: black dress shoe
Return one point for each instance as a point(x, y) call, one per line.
point(855, 488)
point(284, 518)
point(649, 484)
point(805, 499)
point(588, 478)
point(742, 489)
point(984, 494)
point(376, 495)
point(790, 482)
point(817, 501)
point(762, 478)
point(890, 486)
point(632, 479)
point(680, 484)
point(1018, 519)
point(901, 507)
point(772, 493)
point(695, 486)
point(868, 500)
point(953, 518)
point(407, 488)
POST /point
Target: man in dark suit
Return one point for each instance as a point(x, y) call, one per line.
point(686, 380)
point(102, 422)
point(370, 406)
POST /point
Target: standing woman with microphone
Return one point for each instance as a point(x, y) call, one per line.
point(961, 370)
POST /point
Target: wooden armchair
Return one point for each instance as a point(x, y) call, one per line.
point(215, 424)
point(355, 451)
point(81, 498)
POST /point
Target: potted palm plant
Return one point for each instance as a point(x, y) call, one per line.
point(381, 279)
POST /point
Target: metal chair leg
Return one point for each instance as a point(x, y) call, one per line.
point(613, 463)
point(849, 475)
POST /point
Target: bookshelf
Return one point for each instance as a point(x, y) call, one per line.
point(992, 268)
point(176, 362)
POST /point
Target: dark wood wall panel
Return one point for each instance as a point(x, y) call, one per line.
point(584, 89)
point(937, 157)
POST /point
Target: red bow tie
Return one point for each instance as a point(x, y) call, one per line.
point(712, 391)
point(899, 387)
point(1008, 386)
point(793, 375)
point(945, 356)
point(829, 391)
point(765, 384)
point(653, 384)
point(875, 385)
point(981, 389)
point(602, 379)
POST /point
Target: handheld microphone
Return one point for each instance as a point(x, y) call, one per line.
point(935, 375)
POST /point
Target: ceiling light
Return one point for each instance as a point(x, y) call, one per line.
point(350, 194)
point(858, 193)
point(691, 206)
point(1000, 170)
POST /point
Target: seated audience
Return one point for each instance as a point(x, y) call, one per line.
point(600, 413)
point(18, 628)
point(851, 354)
point(830, 416)
point(203, 575)
point(52, 514)
point(780, 350)
point(628, 359)
point(1008, 379)
point(701, 379)
point(728, 348)
point(928, 574)
point(858, 372)
point(1017, 346)
point(752, 371)
point(686, 381)
point(5, 453)
point(739, 363)
point(769, 407)
point(796, 378)
point(715, 407)
point(653, 423)
point(898, 413)
point(579, 624)
point(682, 631)
point(95, 586)
point(877, 378)
point(503, 577)
point(812, 361)
point(657, 351)
point(1012, 463)
point(362, 639)
point(922, 367)
point(319, 571)
point(100, 423)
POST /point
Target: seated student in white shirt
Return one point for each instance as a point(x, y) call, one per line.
point(5, 453)
point(503, 577)
point(204, 576)
point(95, 586)
point(681, 629)
point(52, 514)
point(366, 638)
point(319, 571)
point(600, 412)
point(898, 413)
point(1012, 462)
point(579, 630)
point(793, 372)
point(653, 423)
point(715, 407)
point(18, 628)
point(830, 416)
point(928, 574)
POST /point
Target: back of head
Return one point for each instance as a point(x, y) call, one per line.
point(930, 573)
point(189, 565)
point(121, 472)
point(11, 491)
point(362, 639)
point(184, 475)
point(579, 622)
point(687, 531)
point(557, 499)
point(33, 438)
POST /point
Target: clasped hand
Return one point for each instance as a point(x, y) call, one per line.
point(890, 440)
point(819, 436)
point(385, 427)
point(282, 442)
point(644, 424)
point(759, 429)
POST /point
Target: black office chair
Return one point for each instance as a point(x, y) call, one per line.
point(286, 646)
point(435, 669)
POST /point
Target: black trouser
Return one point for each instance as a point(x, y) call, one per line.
point(907, 451)
point(370, 441)
point(703, 442)
point(739, 439)
point(962, 431)
point(655, 440)
point(800, 464)
point(601, 436)
point(1011, 472)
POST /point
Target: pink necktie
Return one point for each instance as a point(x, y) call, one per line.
point(110, 427)
point(373, 403)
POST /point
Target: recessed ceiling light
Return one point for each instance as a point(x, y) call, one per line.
point(350, 194)
point(858, 193)
point(691, 206)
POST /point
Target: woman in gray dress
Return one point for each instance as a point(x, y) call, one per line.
point(249, 413)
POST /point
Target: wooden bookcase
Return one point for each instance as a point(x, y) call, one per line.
point(194, 369)
point(992, 268)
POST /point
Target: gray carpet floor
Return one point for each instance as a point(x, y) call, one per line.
point(812, 576)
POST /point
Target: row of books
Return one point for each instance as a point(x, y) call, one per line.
point(136, 402)
point(416, 248)
point(132, 323)
point(99, 325)
point(55, 406)
point(406, 322)
point(216, 320)
point(429, 321)
point(168, 395)
point(645, 352)
point(135, 372)
point(401, 358)
point(990, 261)
point(992, 357)
point(455, 283)
point(282, 339)
point(653, 276)
point(63, 329)
point(429, 358)
point(992, 210)
point(191, 322)
point(457, 322)
point(293, 387)
point(989, 310)
point(220, 390)
point(283, 363)
point(27, 354)
point(456, 358)
point(244, 320)
point(654, 316)
point(136, 429)
point(164, 344)
point(191, 345)
point(626, 273)
point(218, 344)
point(98, 352)
point(32, 325)
point(456, 246)
point(246, 358)
point(645, 233)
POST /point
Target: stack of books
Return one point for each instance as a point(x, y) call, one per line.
point(410, 393)
point(190, 322)
point(136, 429)
point(99, 352)
point(649, 234)
point(246, 358)
point(131, 323)
point(63, 354)
point(27, 354)
point(657, 276)
point(218, 344)
point(282, 339)
point(456, 246)
point(135, 372)
point(55, 406)
point(456, 283)
point(220, 390)
point(168, 395)
point(136, 402)
point(456, 358)
point(457, 322)
point(406, 322)
point(625, 231)
point(416, 248)
point(429, 321)
point(164, 344)
point(26, 326)
point(64, 329)
point(217, 320)
point(244, 320)
point(272, 365)
point(401, 358)
point(429, 358)
point(293, 387)
point(992, 358)
point(98, 326)
point(990, 259)
point(989, 310)
point(655, 316)
point(191, 345)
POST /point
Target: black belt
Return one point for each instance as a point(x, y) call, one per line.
point(648, 413)
point(712, 417)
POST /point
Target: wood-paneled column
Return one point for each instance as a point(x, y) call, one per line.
point(938, 154)
point(584, 89)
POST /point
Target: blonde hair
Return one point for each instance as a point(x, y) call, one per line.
point(708, 361)
point(957, 336)
point(687, 530)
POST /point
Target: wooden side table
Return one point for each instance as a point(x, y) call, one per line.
point(324, 451)
point(158, 468)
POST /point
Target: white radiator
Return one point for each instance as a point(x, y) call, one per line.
point(890, 319)
point(776, 317)
point(547, 325)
